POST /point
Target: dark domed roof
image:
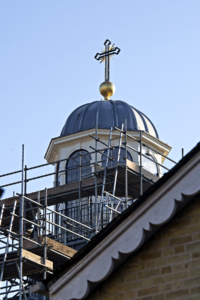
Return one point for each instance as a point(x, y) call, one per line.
point(106, 114)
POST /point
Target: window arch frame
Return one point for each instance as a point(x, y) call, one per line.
point(154, 161)
point(75, 162)
point(113, 163)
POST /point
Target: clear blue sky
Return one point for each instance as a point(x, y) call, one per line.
point(47, 69)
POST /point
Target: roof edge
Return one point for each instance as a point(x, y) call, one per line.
point(107, 249)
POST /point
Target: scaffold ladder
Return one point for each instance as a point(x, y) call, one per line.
point(112, 209)
point(104, 178)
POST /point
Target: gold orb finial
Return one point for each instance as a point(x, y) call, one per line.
point(107, 89)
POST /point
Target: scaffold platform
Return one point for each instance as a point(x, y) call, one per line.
point(35, 237)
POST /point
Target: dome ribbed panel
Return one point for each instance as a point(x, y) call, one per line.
point(123, 113)
point(153, 127)
point(140, 123)
point(106, 114)
point(149, 127)
point(89, 117)
point(115, 113)
point(73, 122)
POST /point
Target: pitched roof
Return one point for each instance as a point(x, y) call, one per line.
point(135, 225)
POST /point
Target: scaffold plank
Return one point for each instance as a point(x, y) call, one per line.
point(27, 255)
point(63, 249)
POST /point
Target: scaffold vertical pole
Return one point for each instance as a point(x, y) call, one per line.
point(24, 292)
point(118, 159)
point(25, 180)
point(80, 213)
point(25, 192)
point(21, 228)
point(1, 215)
point(45, 235)
point(38, 216)
point(8, 242)
point(141, 187)
point(126, 177)
point(95, 208)
point(6, 292)
point(104, 178)
point(182, 152)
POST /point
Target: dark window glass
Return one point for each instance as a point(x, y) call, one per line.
point(72, 167)
point(114, 155)
point(149, 165)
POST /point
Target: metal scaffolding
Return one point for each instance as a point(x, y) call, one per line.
point(36, 237)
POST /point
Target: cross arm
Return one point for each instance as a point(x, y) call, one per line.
point(115, 50)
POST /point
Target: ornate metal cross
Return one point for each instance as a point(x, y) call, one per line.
point(105, 55)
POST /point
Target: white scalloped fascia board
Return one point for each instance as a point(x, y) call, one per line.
point(58, 142)
point(129, 236)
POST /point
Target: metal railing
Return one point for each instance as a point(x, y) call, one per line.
point(81, 221)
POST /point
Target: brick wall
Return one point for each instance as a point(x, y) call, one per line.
point(166, 267)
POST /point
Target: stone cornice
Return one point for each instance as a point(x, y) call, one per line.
point(127, 238)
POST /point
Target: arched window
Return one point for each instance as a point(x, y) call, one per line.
point(72, 165)
point(114, 155)
point(150, 165)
